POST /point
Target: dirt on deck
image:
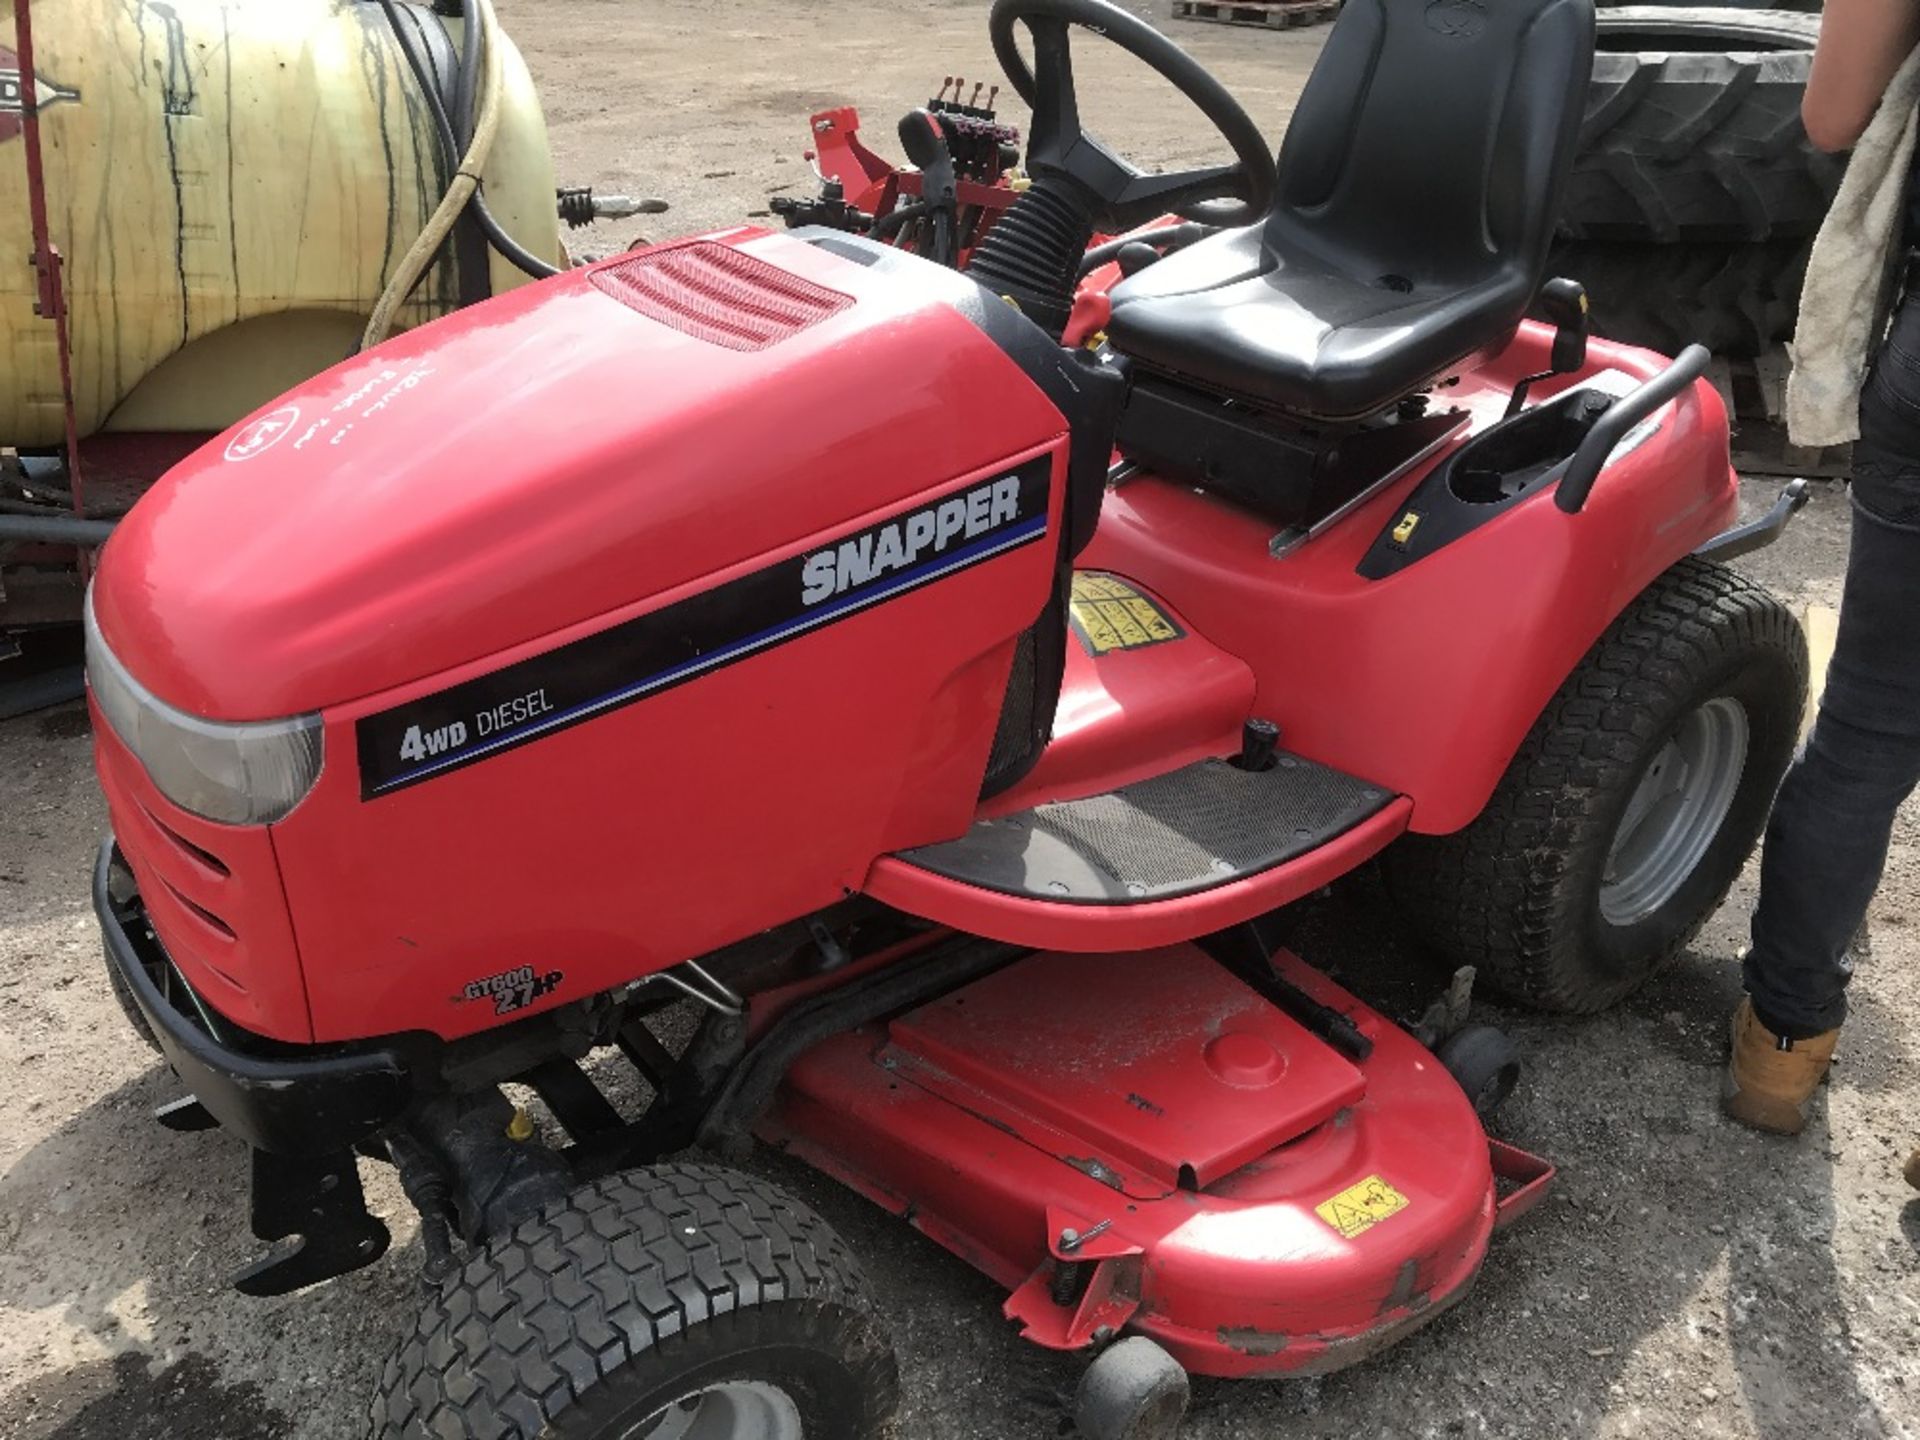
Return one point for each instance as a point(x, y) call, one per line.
point(1685, 1278)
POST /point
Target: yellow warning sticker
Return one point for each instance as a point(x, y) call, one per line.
point(1360, 1207)
point(1109, 614)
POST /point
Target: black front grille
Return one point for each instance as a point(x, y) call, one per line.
point(1013, 737)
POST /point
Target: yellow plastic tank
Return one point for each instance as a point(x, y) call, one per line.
point(231, 182)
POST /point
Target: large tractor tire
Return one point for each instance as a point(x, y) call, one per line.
point(1631, 805)
point(1692, 131)
point(1737, 300)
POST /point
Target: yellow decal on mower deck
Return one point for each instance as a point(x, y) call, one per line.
point(1360, 1207)
point(1109, 614)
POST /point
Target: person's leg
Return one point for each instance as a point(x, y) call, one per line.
point(1827, 842)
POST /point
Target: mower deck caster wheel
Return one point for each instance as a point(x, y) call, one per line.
point(1133, 1391)
point(1485, 1064)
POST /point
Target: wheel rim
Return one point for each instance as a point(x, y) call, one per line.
point(735, 1410)
point(1675, 811)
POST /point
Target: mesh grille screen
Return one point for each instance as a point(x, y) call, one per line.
point(1013, 738)
point(717, 294)
point(1171, 830)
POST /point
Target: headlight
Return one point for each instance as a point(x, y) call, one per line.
point(247, 774)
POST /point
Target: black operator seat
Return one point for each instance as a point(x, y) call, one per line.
point(1420, 183)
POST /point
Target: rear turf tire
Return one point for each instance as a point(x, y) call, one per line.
point(1519, 893)
point(638, 1299)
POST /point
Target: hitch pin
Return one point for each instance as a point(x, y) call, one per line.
point(1071, 1239)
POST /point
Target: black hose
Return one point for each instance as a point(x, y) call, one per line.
point(893, 220)
point(465, 91)
point(470, 248)
point(55, 529)
point(465, 97)
point(513, 251)
point(429, 87)
point(516, 254)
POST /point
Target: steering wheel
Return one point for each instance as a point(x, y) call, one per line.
point(1057, 143)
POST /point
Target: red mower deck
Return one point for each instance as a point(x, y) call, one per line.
point(1252, 1200)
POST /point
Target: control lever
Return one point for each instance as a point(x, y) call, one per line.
point(1258, 740)
point(1135, 256)
point(1243, 952)
point(926, 146)
point(1563, 303)
point(1160, 241)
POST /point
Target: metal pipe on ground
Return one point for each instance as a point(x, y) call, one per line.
point(54, 530)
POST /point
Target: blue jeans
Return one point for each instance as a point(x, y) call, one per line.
point(1826, 843)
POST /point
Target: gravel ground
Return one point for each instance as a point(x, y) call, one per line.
point(1685, 1278)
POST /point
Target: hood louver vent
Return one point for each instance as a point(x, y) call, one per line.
point(717, 294)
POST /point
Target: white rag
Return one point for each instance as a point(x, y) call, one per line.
point(1845, 301)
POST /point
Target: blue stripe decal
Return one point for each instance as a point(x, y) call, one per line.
point(505, 705)
point(898, 584)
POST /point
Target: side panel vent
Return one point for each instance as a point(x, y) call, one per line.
point(717, 294)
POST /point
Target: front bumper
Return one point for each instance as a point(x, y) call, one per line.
point(283, 1099)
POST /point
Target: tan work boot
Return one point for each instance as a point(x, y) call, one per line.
point(1769, 1079)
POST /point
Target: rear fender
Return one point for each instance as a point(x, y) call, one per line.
point(1427, 681)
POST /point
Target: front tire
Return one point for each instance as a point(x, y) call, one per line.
point(1631, 806)
point(124, 998)
point(681, 1300)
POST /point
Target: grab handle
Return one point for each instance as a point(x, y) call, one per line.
point(1620, 417)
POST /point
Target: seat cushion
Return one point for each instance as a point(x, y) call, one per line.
point(1295, 331)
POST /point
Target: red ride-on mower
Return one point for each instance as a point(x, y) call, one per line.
point(789, 629)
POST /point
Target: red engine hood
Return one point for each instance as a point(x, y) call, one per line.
point(531, 463)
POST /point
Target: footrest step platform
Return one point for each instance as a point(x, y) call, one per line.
point(1193, 829)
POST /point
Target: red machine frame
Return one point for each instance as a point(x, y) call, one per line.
point(1134, 1113)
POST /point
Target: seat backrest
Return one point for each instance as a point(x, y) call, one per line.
point(1434, 137)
